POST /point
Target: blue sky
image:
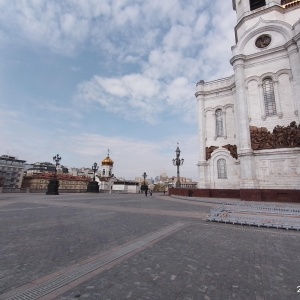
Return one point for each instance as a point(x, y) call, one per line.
point(80, 76)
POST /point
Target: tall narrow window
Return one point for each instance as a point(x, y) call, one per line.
point(219, 123)
point(221, 166)
point(103, 172)
point(269, 98)
point(254, 4)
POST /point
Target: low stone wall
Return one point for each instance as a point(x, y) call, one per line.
point(271, 195)
point(40, 191)
point(267, 195)
point(206, 193)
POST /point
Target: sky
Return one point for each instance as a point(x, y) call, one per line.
point(78, 77)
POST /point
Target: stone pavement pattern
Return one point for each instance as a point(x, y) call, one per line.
point(41, 234)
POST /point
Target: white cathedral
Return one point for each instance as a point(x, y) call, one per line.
point(249, 122)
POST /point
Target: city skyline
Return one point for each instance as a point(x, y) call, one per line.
point(79, 77)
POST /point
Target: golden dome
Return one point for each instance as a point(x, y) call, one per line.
point(107, 161)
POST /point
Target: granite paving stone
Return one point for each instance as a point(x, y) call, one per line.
point(235, 279)
point(40, 235)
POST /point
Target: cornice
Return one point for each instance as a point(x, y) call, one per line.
point(297, 37)
point(256, 14)
point(238, 57)
point(261, 54)
point(218, 90)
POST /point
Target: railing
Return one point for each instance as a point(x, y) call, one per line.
point(258, 215)
point(283, 2)
point(290, 3)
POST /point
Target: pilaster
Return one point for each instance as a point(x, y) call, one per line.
point(201, 120)
point(294, 58)
point(248, 174)
point(202, 163)
point(203, 173)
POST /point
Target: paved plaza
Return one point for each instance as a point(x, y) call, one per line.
point(118, 246)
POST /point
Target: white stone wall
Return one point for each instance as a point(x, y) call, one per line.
point(232, 168)
point(285, 104)
point(279, 168)
point(241, 99)
point(219, 95)
point(133, 189)
point(119, 188)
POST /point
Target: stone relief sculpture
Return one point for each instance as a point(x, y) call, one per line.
point(232, 149)
point(209, 151)
point(281, 137)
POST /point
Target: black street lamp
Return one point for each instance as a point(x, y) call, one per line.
point(95, 168)
point(93, 186)
point(178, 162)
point(57, 159)
point(144, 187)
point(54, 183)
point(144, 176)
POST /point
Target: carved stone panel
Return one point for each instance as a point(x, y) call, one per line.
point(293, 166)
point(281, 137)
point(278, 167)
point(232, 149)
point(264, 167)
point(209, 151)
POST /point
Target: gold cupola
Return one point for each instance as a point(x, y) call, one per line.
point(107, 161)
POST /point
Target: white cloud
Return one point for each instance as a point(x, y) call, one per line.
point(177, 40)
point(134, 96)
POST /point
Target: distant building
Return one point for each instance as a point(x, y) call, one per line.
point(11, 171)
point(109, 183)
point(88, 172)
point(106, 177)
point(68, 182)
point(40, 167)
point(126, 186)
point(170, 181)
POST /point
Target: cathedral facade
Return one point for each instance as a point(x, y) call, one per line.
point(249, 128)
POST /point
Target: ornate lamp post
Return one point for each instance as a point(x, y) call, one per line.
point(144, 176)
point(93, 186)
point(54, 183)
point(57, 159)
point(95, 168)
point(144, 187)
point(178, 162)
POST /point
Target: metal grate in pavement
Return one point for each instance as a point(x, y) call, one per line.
point(66, 278)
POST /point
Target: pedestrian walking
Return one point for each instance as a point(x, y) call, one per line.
point(146, 191)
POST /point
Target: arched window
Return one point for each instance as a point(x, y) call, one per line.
point(254, 4)
point(221, 166)
point(269, 98)
point(219, 123)
point(103, 172)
